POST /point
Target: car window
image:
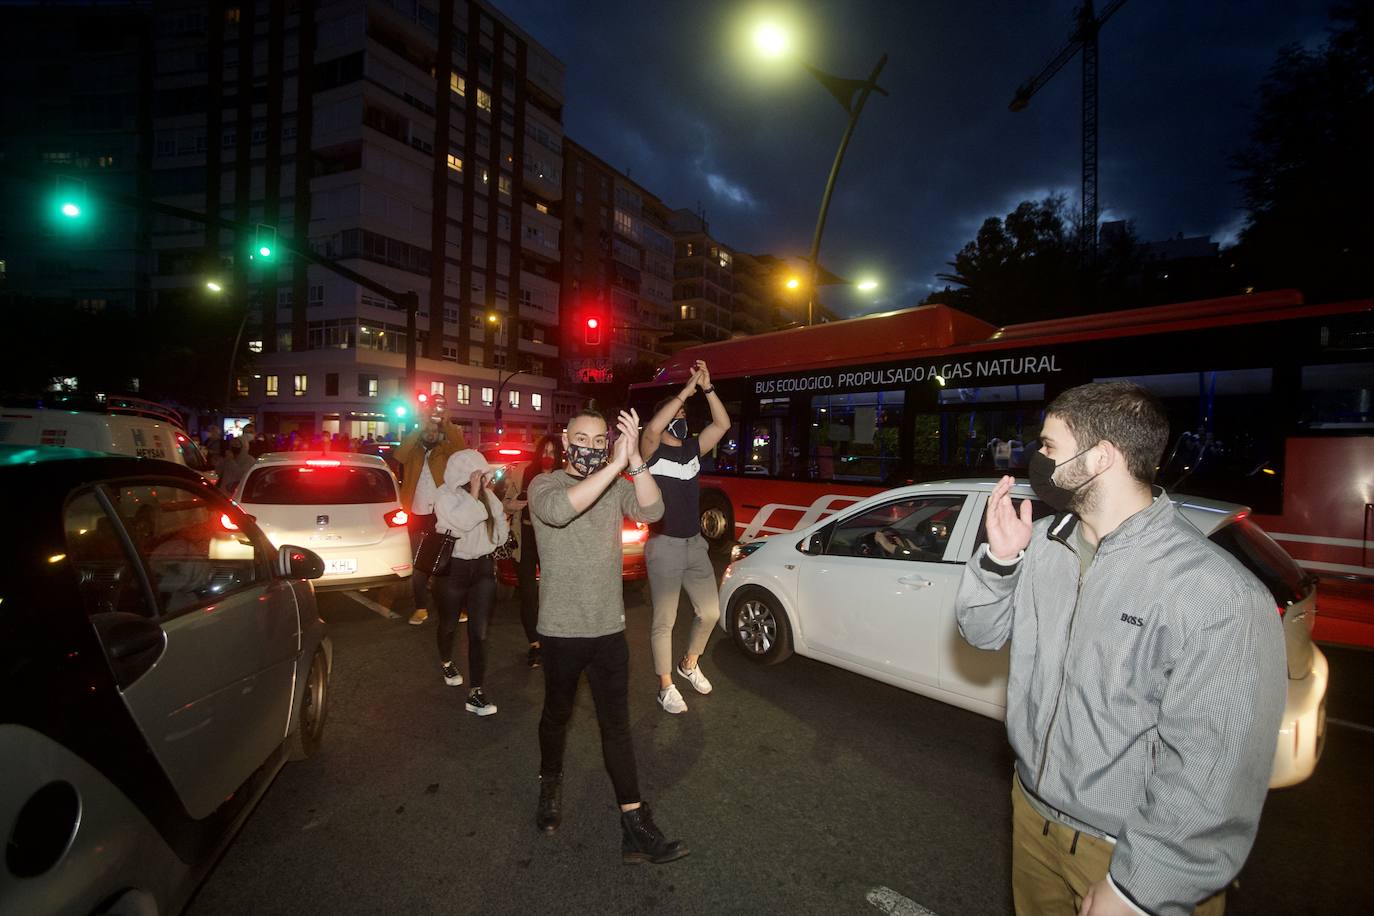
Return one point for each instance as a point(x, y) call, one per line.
point(1039, 510)
point(1269, 562)
point(916, 529)
point(294, 485)
point(107, 576)
point(189, 542)
point(192, 455)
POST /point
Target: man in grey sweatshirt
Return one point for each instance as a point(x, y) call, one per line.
point(577, 515)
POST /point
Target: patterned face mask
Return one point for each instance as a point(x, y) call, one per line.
point(586, 460)
point(678, 428)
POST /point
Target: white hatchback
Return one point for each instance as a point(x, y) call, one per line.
point(871, 589)
point(344, 506)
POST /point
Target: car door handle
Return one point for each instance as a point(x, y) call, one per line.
point(916, 581)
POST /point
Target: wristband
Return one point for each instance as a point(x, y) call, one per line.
point(711, 390)
point(639, 470)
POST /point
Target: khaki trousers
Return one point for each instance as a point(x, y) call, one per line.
point(1052, 866)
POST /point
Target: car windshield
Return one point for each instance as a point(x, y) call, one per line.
point(1270, 563)
point(293, 484)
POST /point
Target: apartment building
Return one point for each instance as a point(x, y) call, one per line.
point(434, 138)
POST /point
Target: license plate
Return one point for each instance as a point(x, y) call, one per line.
point(334, 567)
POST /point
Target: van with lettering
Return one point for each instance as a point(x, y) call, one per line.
point(117, 426)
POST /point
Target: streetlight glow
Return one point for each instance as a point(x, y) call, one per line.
point(867, 285)
point(770, 39)
point(793, 283)
point(493, 317)
point(214, 286)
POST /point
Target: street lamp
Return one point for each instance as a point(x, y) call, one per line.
point(772, 40)
point(867, 285)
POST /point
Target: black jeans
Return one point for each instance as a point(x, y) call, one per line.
point(606, 659)
point(529, 583)
point(469, 585)
point(419, 581)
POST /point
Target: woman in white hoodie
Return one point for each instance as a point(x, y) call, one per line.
point(467, 508)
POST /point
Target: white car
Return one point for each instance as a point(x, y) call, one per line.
point(344, 506)
point(871, 589)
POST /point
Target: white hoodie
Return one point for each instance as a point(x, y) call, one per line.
point(457, 513)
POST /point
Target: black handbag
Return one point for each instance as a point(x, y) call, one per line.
point(435, 553)
point(507, 550)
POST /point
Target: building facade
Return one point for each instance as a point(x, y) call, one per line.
point(417, 144)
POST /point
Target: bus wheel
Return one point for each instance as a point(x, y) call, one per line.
point(717, 520)
point(759, 627)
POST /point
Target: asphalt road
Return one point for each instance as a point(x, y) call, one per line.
point(799, 788)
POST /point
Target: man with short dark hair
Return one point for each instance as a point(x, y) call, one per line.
point(577, 515)
point(1147, 673)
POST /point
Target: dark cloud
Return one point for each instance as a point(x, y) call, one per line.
point(653, 88)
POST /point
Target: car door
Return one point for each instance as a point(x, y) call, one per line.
point(215, 705)
point(873, 598)
point(978, 674)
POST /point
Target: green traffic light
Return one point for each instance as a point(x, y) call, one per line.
point(265, 251)
point(70, 210)
point(399, 411)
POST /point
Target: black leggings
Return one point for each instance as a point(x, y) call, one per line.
point(606, 659)
point(529, 584)
point(469, 585)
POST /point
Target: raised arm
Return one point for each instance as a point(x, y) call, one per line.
point(720, 420)
point(653, 430)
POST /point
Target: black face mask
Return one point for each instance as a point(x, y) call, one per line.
point(1041, 472)
point(678, 428)
point(586, 460)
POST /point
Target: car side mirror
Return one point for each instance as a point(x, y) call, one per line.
point(814, 544)
point(298, 563)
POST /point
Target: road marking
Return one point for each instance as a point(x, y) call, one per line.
point(1355, 725)
point(886, 900)
point(373, 606)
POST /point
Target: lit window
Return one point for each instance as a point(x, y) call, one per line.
point(300, 381)
point(463, 393)
point(255, 346)
point(503, 185)
point(486, 178)
point(455, 163)
point(437, 389)
point(240, 386)
point(488, 397)
point(372, 387)
point(514, 399)
point(537, 401)
point(483, 99)
point(271, 386)
point(458, 84)
point(542, 208)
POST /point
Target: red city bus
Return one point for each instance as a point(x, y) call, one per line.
point(1269, 401)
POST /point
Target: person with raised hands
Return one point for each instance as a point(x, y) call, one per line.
point(577, 515)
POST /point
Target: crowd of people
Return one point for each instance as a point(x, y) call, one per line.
point(215, 444)
point(1147, 672)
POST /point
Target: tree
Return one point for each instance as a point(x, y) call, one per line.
point(1019, 268)
point(1306, 170)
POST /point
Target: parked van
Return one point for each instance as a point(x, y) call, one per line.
point(119, 426)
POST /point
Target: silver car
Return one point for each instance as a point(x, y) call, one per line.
point(159, 661)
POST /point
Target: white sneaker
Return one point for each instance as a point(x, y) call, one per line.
point(695, 678)
point(671, 700)
point(451, 675)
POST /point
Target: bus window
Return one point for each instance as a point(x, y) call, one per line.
point(772, 448)
point(1222, 438)
point(1337, 397)
point(724, 458)
point(855, 436)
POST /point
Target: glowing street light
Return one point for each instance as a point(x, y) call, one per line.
point(867, 285)
point(770, 39)
point(214, 286)
point(793, 283)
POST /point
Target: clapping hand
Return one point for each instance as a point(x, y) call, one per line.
point(702, 375)
point(1009, 530)
point(627, 442)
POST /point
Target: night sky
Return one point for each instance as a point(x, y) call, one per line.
point(662, 90)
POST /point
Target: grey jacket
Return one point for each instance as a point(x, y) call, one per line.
point(1144, 701)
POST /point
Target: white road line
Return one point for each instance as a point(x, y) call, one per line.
point(886, 900)
point(1345, 724)
point(373, 606)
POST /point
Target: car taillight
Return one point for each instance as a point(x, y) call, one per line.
point(323, 462)
point(227, 523)
point(508, 451)
point(636, 535)
point(397, 519)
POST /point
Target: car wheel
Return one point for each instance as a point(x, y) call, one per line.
point(717, 519)
point(759, 627)
point(305, 741)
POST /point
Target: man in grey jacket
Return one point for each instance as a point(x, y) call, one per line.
point(1147, 673)
point(577, 515)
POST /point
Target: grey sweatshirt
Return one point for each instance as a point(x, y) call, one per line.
point(580, 555)
point(1145, 694)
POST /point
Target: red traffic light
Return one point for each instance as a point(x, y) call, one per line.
point(593, 323)
point(421, 398)
point(591, 332)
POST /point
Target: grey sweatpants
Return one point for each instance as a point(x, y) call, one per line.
point(675, 564)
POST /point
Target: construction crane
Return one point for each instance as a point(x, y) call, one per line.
point(1084, 39)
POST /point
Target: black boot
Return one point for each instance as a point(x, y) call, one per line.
point(642, 841)
point(550, 813)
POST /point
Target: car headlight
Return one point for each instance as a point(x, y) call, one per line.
point(740, 551)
